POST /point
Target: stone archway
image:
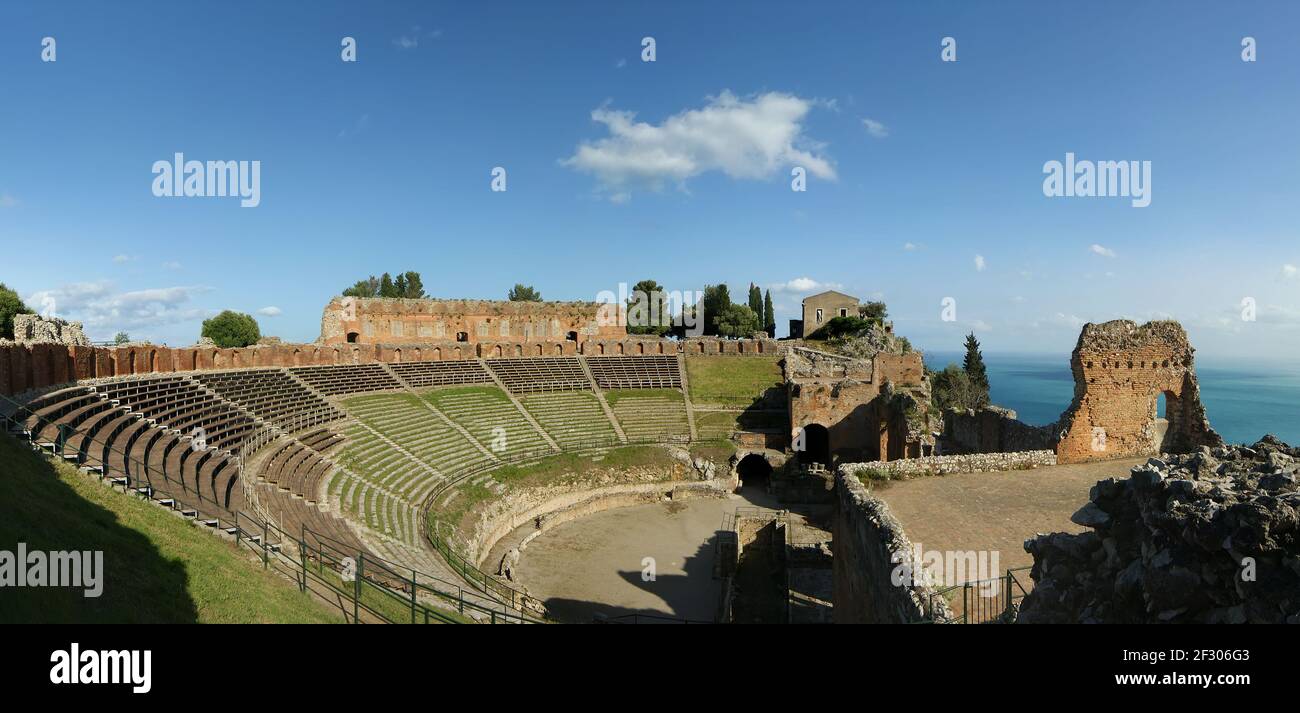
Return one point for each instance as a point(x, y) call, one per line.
point(753, 469)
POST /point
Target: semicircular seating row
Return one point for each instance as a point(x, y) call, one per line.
point(183, 433)
point(174, 435)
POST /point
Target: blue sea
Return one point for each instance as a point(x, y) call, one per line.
point(1244, 399)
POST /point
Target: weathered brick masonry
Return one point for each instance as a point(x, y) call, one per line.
point(32, 366)
point(1120, 371)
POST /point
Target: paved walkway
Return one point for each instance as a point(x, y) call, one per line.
point(995, 511)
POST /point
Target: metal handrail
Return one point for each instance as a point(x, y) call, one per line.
point(248, 530)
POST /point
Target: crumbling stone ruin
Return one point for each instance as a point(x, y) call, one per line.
point(372, 320)
point(1121, 371)
point(857, 409)
point(35, 329)
point(1207, 537)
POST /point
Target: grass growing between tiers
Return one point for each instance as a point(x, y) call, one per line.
point(719, 451)
point(613, 396)
point(559, 468)
point(158, 568)
point(731, 379)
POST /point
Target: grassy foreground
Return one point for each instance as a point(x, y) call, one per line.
point(158, 568)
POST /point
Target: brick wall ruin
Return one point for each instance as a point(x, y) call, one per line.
point(32, 366)
point(383, 320)
point(1121, 371)
point(870, 409)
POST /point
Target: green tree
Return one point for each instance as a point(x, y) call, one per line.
point(952, 389)
point(716, 300)
point(386, 286)
point(399, 285)
point(121, 338)
point(10, 305)
point(873, 311)
point(756, 301)
point(769, 315)
point(973, 365)
point(414, 286)
point(735, 321)
point(647, 309)
point(364, 288)
point(232, 329)
point(523, 293)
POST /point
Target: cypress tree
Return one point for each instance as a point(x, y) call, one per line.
point(973, 365)
point(769, 315)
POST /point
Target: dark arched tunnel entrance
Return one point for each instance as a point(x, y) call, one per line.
point(754, 470)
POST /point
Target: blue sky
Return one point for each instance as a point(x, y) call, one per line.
point(915, 166)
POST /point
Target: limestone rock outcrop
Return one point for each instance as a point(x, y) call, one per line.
point(1207, 537)
point(35, 329)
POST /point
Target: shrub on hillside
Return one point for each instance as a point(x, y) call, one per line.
point(839, 326)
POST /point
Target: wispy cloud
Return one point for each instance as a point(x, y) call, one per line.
point(411, 40)
point(101, 307)
point(8, 201)
point(171, 265)
point(357, 127)
point(979, 263)
point(1101, 250)
point(119, 259)
point(270, 311)
point(1289, 271)
point(804, 284)
point(743, 138)
point(875, 128)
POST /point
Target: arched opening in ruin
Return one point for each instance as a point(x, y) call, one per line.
point(571, 336)
point(462, 336)
point(1167, 418)
point(397, 356)
point(754, 470)
point(817, 445)
point(352, 337)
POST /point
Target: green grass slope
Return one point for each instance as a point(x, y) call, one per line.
point(158, 568)
point(731, 380)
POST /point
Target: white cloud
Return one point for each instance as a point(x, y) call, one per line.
point(875, 128)
point(804, 284)
point(411, 40)
point(270, 311)
point(979, 263)
point(1067, 320)
point(101, 308)
point(1289, 271)
point(621, 63)
point(119, 259)
point(911, 247)
point(741, 138)
point(1101, 250)
point(172, 265)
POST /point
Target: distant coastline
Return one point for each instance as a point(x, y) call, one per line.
point(1244, 398)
